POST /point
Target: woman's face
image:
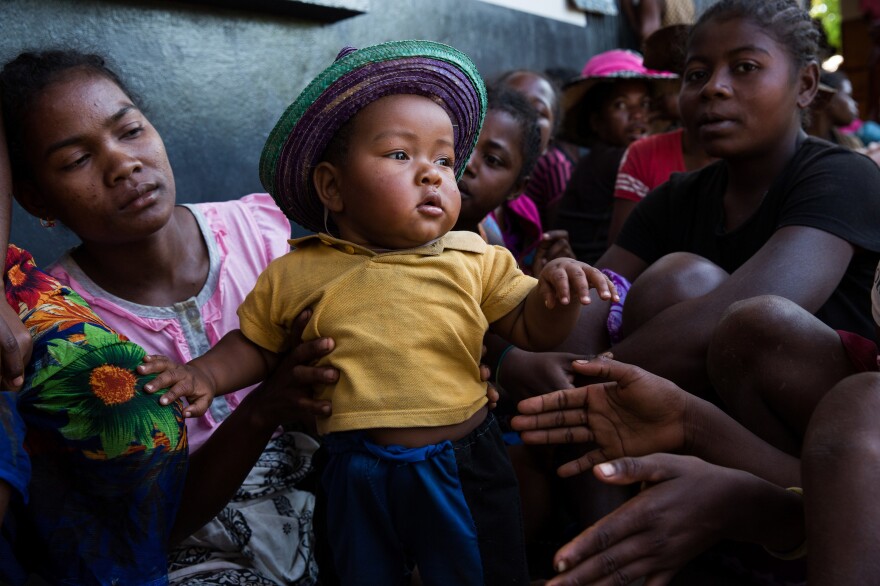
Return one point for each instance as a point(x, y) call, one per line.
point(96, 162)
point(741, 93)
point(541, 96)
point(623, 116)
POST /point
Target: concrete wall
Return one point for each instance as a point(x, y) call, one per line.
point(214, 80)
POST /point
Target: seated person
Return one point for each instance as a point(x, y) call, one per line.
point(108, 460)
point(605, 110)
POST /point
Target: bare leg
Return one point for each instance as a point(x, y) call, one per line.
point(672, 279)
point(841, 472)
point(590, 334)
point(771, 361)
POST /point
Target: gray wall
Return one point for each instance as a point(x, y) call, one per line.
point(214, 80)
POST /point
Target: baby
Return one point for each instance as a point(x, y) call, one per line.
point(368, 157)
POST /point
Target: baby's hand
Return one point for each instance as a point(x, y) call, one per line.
point(563, 278)
point(181, 380)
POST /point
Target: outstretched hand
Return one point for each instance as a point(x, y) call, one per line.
point(562, 279)
point(633, 413)
point(654, 534)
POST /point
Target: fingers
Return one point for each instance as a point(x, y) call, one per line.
point(616, 550)
point(583, 464)
point(195, 408)
point(566, 278)
point(299, 326)
point(653, 468)
point(660, 578)
point(492, 396)
point(564, 399)
point(167, 371)
point(314, 407)
point(603, 285)
point(562, 435)
point(309, 352)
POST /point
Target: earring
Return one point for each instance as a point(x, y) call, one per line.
point(326, 214)
point(47, 222)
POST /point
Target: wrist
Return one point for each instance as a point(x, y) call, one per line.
point(500, 362)
point(766, 514)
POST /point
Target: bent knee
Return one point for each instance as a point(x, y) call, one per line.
point(757, 318)
point(687, 274)
point(844, 423)
point(670, 280)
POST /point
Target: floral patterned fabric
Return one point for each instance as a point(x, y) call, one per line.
point(108, 461)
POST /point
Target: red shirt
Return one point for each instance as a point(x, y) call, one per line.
point(648, 163)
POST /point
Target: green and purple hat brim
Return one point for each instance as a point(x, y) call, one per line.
point(356, 79)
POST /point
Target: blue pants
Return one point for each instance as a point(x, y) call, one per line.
point(452, 509)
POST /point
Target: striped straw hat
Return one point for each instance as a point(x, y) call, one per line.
point(357, 78)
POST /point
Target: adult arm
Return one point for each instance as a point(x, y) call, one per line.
point(620, 211)
point(673, 344)
point(219, 467)
point(15, 340)
point(650, 15)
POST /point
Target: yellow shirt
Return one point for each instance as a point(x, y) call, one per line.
point(408, 324)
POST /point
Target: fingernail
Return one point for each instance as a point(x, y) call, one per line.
point(582, 361)
point(19, 380)
point(148, 387)
point(606, 469)
point(561, 566)
point(187, 413)
point(163, 400)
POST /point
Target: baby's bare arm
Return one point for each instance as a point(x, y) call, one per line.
point(234, 363)
point(547, 315)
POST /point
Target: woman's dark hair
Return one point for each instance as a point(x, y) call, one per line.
point(504, 99)
point(556, 107)
point(25, 77)
point(783, 20)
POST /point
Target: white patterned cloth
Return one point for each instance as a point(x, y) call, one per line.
point(264, 535)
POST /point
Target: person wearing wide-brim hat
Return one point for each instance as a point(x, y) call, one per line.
point(649, 162)
point(416, 470)
point(605, 110)
point(607, 76)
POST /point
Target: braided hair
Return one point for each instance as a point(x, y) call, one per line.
point(783, 20)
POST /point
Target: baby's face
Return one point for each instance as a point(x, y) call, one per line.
point(397, 182)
